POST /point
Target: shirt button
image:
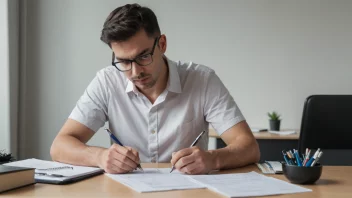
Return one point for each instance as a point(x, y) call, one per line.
point(153, 131)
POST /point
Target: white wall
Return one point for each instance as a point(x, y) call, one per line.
point(270, 54)
point(4, 78)
point(9, 24)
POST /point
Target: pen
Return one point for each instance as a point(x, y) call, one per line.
point(317, 159)
point(49, 174)
point(298, 158)
point(285, 157)
point(119, 143)
point(290, 157)
point(293, 157)
point(306, 158)
point(309, 163)
point(269, 165)
point(194, 143)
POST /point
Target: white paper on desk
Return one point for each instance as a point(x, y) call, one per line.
point(256, 130)
point(247, 184)
point(76, 171)
point(153, 179)
point(283, 132)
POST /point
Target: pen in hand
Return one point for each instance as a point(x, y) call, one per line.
point(119, 143)
point(194, 143)
point(49, 174)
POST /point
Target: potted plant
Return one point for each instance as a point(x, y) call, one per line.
point(5, 157)
point(274, 120)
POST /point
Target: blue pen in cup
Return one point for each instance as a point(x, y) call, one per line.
point(311, 160)
point(292, 157)
point(285, 157)
point(288, 155)
point(298, 159)
point(317, 158)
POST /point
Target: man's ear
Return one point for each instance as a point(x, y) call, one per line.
point(162, 43)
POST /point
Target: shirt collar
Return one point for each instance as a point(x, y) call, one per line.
point(130, 86)
point(174, 84)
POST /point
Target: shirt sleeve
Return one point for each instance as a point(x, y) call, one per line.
point(220, 109)
point(91, 108)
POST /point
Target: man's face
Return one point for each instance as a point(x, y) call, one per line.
point(139, 46)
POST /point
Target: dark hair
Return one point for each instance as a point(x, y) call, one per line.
point(126, 21)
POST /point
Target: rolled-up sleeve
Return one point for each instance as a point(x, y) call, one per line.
point(91, 108)
point(220, 109)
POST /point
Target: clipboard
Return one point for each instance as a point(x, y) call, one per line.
point(50, 172)
point(69, 180)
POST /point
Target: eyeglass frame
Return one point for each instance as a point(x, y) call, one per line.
point(134, 60)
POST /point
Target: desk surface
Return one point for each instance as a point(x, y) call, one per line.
point(262, 135)
point(335, 182)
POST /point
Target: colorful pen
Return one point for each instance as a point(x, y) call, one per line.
point(306, 158)
point(293, 157)
point(309, 163)
point(285, 157)
point(317, 159)
point(290, 157)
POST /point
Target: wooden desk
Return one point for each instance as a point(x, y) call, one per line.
point(270, 144)
point(335, 182)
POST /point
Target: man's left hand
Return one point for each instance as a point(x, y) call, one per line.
point(193, 161)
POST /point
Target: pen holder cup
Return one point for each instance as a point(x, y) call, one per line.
point(301, 174)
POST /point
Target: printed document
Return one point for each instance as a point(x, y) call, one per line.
point(153, 179)
point(230, 185)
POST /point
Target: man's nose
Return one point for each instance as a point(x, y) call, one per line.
point(136, 69)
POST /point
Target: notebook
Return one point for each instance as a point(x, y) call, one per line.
point(15, 177)
point(270, 167)
point(55, 172)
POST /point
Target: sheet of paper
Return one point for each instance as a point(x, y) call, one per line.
point(54, 168)
point(153, 179)
point(283, 132)
point(247, 184)
point(256, 130)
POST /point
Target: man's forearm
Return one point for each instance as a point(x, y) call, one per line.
point(233, 155)
point(67, 149)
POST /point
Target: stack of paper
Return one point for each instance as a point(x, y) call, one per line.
point(231, 185)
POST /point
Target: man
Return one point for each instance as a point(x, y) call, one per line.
point(156, 107)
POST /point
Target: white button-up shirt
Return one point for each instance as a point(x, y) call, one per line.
point(193, 98)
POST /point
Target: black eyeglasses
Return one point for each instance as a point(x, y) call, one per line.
point(142, 60)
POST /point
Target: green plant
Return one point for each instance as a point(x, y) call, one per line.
point(5, 157)
point(274, 116)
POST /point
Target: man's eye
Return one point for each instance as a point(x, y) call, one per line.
point(123, 61)
point(144, 56)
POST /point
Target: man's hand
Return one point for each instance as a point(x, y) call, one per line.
point(119, 159)
point(193, 161)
